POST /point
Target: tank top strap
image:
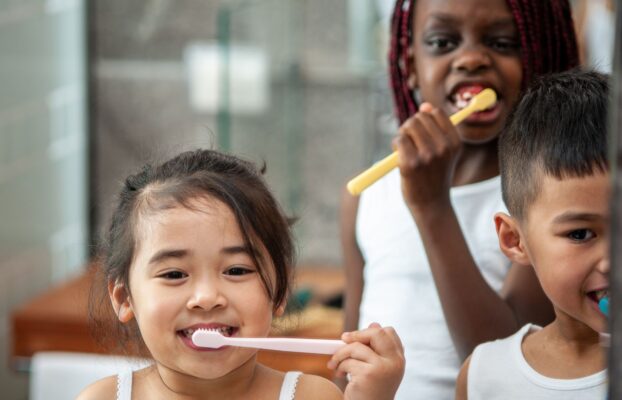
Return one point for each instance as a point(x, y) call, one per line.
point(288, 389)
point(124, 385)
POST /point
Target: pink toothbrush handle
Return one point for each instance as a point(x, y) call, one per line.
point(296, 345)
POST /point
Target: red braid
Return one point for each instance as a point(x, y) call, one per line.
point(546, 32)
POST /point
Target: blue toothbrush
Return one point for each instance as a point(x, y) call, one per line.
point(603, 304)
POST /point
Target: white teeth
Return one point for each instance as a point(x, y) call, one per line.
point(223, 330)
point(462, 99)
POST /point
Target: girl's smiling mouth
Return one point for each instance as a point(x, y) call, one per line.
point(186, 334)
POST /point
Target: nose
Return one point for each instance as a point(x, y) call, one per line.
point(603, 266)
point(472, 57)
point(206, 295)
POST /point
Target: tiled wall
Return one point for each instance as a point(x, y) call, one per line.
point(43, 148)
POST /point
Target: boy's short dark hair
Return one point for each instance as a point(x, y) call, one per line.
point(559, 128)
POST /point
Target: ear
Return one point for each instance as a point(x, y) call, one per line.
point(411, 72)
point(120, 299)
point(280, 310)
point(511, 240)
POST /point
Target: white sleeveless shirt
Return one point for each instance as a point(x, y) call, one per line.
point(498, 371)
point(399, 289)
point(288, 388)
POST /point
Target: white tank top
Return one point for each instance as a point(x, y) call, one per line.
point(498, 371)
point(288, 388)
point(399, 289)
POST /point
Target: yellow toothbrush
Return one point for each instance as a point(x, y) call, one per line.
point(481, 101)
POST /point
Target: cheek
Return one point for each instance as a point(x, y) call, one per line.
point(513, 76)
point(257, 306)
point(156, 307)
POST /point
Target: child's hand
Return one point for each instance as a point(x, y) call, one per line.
point(428, 146)
point(373, 359)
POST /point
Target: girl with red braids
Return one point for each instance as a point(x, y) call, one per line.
point(420, 247)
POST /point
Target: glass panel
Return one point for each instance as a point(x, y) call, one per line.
point(43, 155)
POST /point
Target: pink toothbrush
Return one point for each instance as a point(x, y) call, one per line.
point(213, 339)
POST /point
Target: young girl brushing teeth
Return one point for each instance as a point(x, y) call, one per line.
point(200, 243)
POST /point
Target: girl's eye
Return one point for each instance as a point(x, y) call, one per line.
point(504, 45)
point(581, 235)
point(239, 270)
point(441, 44)
point(173, 275)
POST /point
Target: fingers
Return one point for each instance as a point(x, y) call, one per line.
point(353, 351)
point(382, 340)
point(425, 136)
point(372, 347)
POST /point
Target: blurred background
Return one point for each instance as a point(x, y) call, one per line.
point(93, 90)
point(89, 91)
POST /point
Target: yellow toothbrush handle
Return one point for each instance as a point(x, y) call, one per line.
point(371, 175)
point(384, 166)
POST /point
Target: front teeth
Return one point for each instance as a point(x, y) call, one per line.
point(462, 99)
point(223, 330)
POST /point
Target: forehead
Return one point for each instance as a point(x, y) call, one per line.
point(172, 219)
point(588, 194)
point(478, 12)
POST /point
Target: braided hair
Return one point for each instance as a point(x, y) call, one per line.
point(547, 38)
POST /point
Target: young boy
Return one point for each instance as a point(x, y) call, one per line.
point(555, 183)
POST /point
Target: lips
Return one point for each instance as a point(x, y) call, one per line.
point(185, 334)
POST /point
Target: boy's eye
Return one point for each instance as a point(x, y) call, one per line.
point(238, 270)
point(581, 235)
point(172, 275)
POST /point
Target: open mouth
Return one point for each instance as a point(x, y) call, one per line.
point(597, 295)
point(463, 94)
point(224, 330)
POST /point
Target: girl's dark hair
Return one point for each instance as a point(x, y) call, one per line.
point(177, 182)
point(547, 37)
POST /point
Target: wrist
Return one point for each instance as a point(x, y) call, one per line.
point(432, 210)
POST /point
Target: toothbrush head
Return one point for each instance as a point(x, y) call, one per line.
point(603, 304)
point(483, 100)
point(208, 338)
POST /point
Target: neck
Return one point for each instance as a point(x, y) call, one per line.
point(476, 163)
point(234, 385)
point(573, 333)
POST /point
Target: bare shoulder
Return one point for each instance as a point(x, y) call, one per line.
point(463, 378)
point(316, 387)
point(103, 389)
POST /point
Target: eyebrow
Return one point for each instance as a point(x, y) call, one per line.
point(450, 19)
point(237, 250)
point(166, 254)
point(181, 253)
point(571, 216)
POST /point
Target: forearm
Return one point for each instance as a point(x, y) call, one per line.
point(352, 302)
point(474, 312)
point(353, 262)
